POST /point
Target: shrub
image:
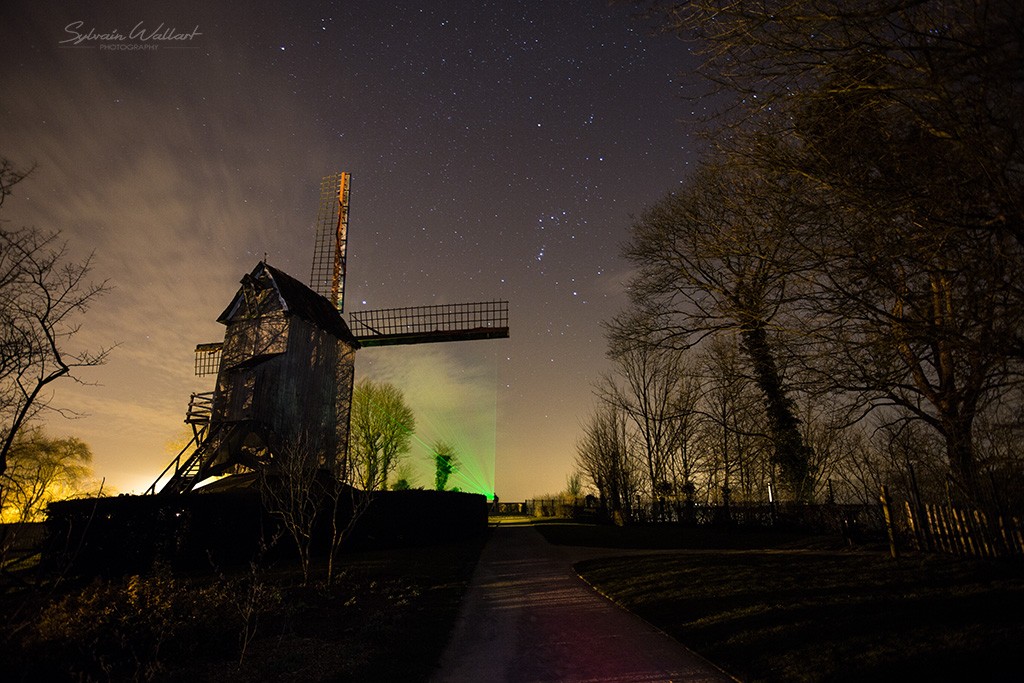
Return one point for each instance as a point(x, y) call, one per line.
point(127, 630)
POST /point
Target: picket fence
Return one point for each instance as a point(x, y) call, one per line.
point(964, 532)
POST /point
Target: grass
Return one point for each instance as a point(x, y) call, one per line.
point(764, 606)
point(806, 614)
point(387, 616)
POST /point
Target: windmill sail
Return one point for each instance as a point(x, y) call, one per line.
point(327, 277)
point(427, 324)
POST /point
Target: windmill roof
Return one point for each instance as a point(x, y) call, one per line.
point(297, 299)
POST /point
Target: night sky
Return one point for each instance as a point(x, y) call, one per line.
point(498, 151)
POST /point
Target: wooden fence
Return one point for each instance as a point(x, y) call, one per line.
point(964, 532)
point(924, 527)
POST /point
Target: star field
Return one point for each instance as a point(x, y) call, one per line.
point(498, 150)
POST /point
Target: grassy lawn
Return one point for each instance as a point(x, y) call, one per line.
point(813, 614)
point(387, 616)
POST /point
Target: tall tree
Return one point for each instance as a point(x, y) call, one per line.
point(919, 319)
point(382, 428)
point(901, 119)
point(718, 255)
point(42, 294)
point(646, 387)
point(687, 457)
point(733, 428)
point(604, 455)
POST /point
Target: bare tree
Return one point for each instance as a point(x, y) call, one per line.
point(382, 427)
point(1000, 455)
point(733, 428)
point(42, 293)
point(605, 457)
point(688, 460)
point(645, 387)
point(296, 486)
point(901, 121)
point(40, 470)
point(860, 472)
point(919, 320)
point(837, 445)
point(719, 255)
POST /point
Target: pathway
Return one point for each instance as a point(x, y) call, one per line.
point(527, 616)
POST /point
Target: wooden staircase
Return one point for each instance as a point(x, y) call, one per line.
point(184, 471)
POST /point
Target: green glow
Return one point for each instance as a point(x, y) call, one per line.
point(452, 391)
point(475, 474)
point(474, 450)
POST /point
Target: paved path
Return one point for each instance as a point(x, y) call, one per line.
point(527, 616)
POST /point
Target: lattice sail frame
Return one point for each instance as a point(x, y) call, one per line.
point(208, 358)
point(327, 276)
point(425, 324)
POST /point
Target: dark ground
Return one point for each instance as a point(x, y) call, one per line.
point(764, 606)
point(387, 616)
point(771, 607)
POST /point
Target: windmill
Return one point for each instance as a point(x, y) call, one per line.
point(286, 366)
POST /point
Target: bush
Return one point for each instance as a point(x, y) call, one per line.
point(129, 630)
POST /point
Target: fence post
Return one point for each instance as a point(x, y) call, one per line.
point(986, 537)
point(923, 530)
point(949, 541)
point(915, 525)
point(887, 513)
point(964, 531)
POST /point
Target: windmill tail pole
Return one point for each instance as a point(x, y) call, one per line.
point(327, 276)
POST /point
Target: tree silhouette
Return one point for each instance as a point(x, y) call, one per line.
point(42, 293)
point(446, 464)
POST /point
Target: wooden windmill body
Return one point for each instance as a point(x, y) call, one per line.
point(286, 367)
